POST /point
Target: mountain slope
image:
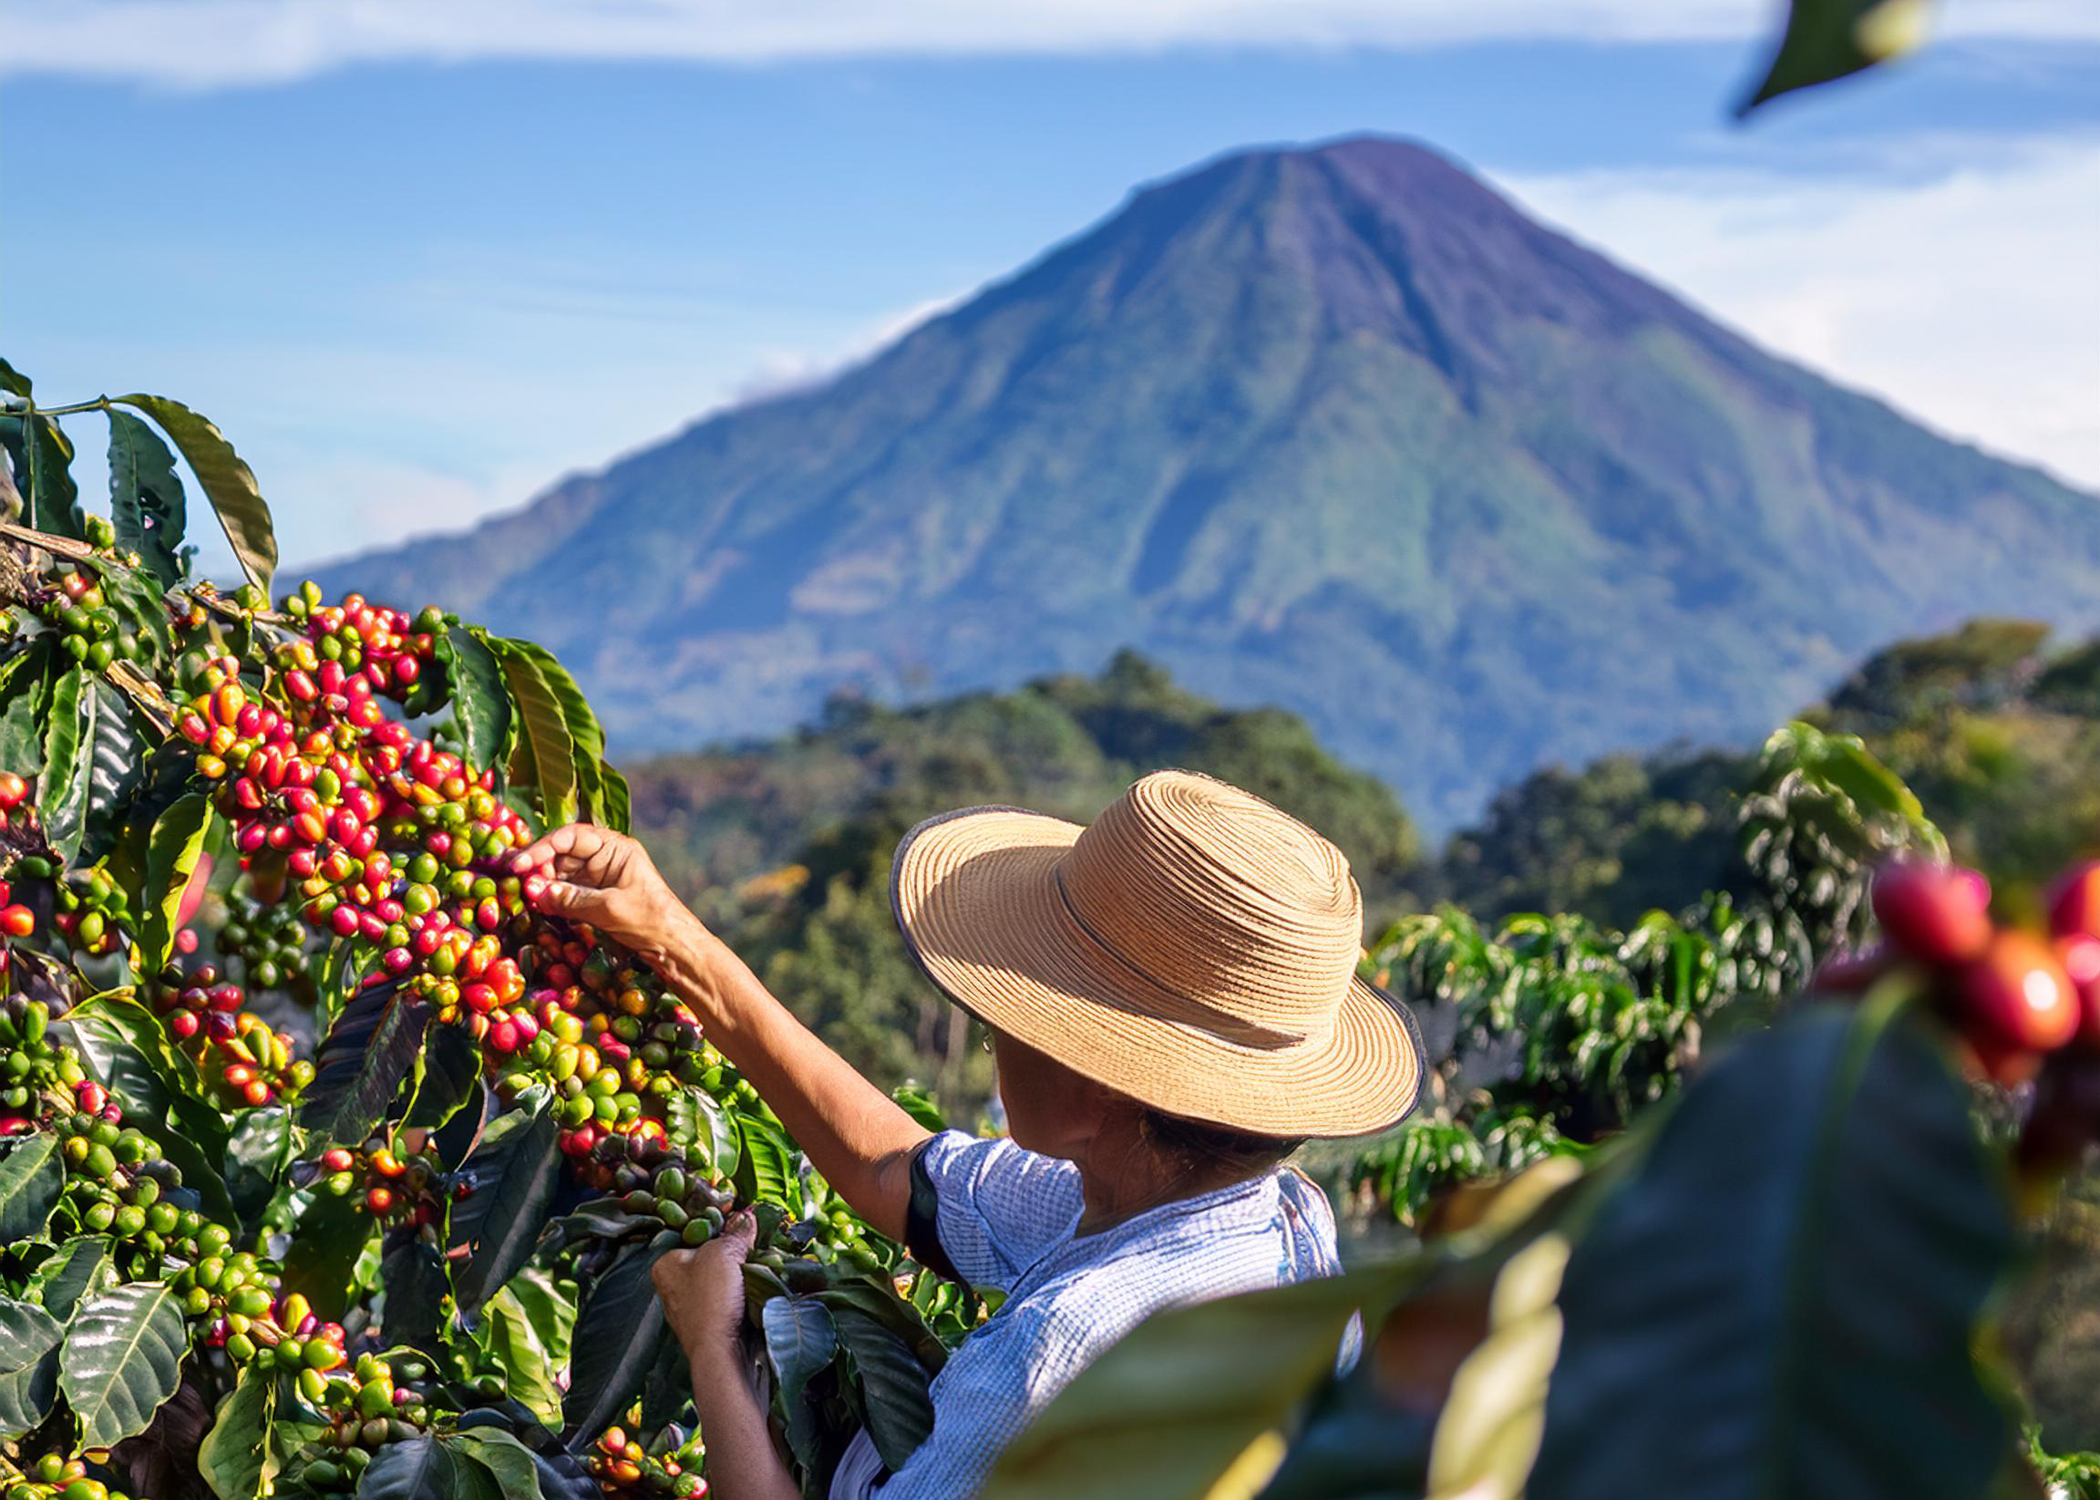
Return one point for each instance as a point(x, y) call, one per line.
point(1338, 429)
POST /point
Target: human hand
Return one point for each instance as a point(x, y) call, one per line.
point(604, 878)
point(703, 1290)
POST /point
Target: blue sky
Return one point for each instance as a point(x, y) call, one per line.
point(418, 273)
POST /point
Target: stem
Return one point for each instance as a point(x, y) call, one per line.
point(100, 403)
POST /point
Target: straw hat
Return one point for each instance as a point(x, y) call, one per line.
point(1194, 948)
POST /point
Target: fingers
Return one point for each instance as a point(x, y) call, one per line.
point(578, 841)
point(738, 1235)
point(561, 899)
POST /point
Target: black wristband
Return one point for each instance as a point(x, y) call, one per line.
point(922, 1219)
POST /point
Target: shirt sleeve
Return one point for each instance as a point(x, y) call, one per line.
point(998, 1209)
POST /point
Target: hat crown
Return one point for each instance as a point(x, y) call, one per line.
point(1217, 896)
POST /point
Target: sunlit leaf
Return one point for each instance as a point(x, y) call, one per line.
point(227, 481)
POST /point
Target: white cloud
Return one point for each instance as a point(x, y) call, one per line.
point(1961, 289)
point(205, 43)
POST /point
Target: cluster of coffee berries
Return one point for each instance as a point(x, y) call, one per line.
point(93, 911)
point(627, 1470)
point(267, 940)
point(374, 1403)
point(386, 646)
point(36, 1077)
point(90, 629)
point(115, 1174)
point(672, 1195)
point(2008, 992)
point(397, 1188)
point(245, 1062)
point(53, 1477)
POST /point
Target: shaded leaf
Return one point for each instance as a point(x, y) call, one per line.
point(800, 1341)
point(449, 1075)
point(615, 802)
point(179, 836)
point(361, 1063)
point(427, 1468)
point(238, 1458)
point(121, 1359)
point(1790, 1278)
point(31, 1177)
point(227, 482)
point(126, 1049)
point(514, 1179)
point(619, 1328)
point(892, 1386)
point(413, 1274)
point(29, 1340)
point(327, 1240)
point(42, 455)
point(145, 497)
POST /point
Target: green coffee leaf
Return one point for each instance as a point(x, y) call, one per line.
point(79, 1269)
point(178, 839)
point(515, 1172)
point(480, 697)
point(29, 1340)
point(529, 1366)
point(122, 1357)
point(145, 496)
point(227, 482)
point(237, 1458)
point(801, 1340)
point(363, 1061)
point(31, 1176)
point(544, 755)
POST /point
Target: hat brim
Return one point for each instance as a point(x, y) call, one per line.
point(975, 894)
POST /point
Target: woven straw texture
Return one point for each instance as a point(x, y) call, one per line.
point(1194, 948)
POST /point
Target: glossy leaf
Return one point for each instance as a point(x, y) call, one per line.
point(362, 1062)
point(25, 696)
point(121, 1359)
point(145, 496)
point(179, 835)
point(516, 1472)
point(238, 1457)
point(480, 697)
point(529, 1366)
point(226, 480)
point(29, 1340)
point(62, 785)
point(114, 759)
point(801, 1340)
point(413, 1276)
point(1790, 1278)
point(43, 459)
point(448, 1078)
point(545, 753)
point(765, 1171)
point(586, 738)
point(892, 1389)
point(31, 1177)
point(1831, 39)
point(514, 1175)
point(618, 1330)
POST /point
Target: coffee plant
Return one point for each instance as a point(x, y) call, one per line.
point(331, 1165)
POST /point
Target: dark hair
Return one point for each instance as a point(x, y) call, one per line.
point(1196, 1144)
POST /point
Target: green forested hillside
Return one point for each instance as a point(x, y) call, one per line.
point(1995, 726)
point(785, 845)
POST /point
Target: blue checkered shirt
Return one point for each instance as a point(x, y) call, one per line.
point(1007, 1219)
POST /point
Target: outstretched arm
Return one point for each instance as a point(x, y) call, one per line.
point(860, 1140)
